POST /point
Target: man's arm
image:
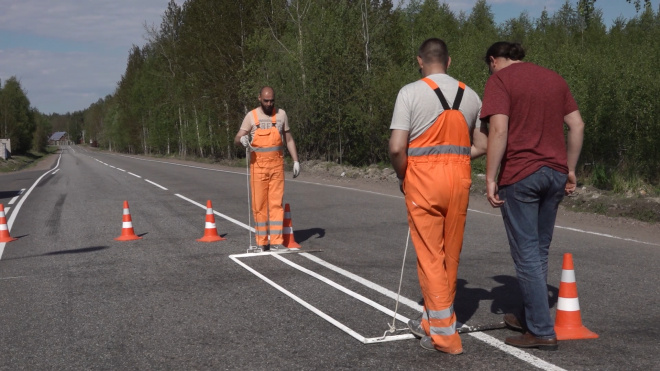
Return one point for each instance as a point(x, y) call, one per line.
point(291, 145)
point(497, 137)
point(398, 149)
point(573, 147)
point(479, 141)
point(237, 139)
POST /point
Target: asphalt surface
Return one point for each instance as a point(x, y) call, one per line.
point(71, 297)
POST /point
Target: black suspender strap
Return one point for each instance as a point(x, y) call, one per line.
point(459, 96)
point(443, 101)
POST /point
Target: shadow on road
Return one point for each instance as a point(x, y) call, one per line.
point(306, 234)
point(77, 251)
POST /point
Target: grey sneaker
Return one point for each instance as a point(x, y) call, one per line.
point(415, 327)
point(277, 247)
point(427, 344)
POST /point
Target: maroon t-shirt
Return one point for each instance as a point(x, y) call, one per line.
point(536, 100)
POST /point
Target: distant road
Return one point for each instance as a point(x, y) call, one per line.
point(71, 297)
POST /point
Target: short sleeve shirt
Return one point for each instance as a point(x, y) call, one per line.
point(536, 100)
point(265, 121)
point(417, 107)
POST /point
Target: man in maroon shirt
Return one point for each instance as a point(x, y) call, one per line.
point(527, 106)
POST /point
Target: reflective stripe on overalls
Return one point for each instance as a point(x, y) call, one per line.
point(267, 174)
point(437, 188)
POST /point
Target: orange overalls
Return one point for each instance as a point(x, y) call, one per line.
point(267, 181)
point(437, 185)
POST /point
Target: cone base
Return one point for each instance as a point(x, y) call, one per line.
point(7, 239)
point(128, 238)
point(574, 333)
point(211, 239)
point(290, 243)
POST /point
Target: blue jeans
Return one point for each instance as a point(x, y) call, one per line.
point(529, 213)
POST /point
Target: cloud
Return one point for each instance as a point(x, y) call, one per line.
point(61, 82)
point(110, 23)
point(69, 53)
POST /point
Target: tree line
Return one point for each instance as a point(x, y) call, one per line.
point(337, 65)
point(23, 125)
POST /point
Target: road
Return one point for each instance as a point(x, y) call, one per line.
point(71, 297)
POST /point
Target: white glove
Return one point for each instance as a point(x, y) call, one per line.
point(245, 141)
point(296, 168)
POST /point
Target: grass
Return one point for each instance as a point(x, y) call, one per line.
point(23, 161)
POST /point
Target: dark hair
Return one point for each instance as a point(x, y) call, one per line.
point(513, 51)
point(434, 50)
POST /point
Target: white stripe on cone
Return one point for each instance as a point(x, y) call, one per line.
point(568, 304)
point(568, 275)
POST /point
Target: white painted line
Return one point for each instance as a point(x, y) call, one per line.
point(342, 187)
point(380, 289)
point(10, 222)
point(12, 278)
point(182, 165)
point(112, 166)
point(607, 235)
point(300, 301)
point(53, 173)
point(156, 184)
point(121, 169)
point(11, 202)
point(135, 175)
point(218, 214)
point(342, 289)
point(7, 211)
point(518, 353)
point(23, 190)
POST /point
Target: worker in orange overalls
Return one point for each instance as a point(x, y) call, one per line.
point(267, 126)
point(433, 121)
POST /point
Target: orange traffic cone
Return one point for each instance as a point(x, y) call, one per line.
point(4, 230)
point(210, 231)
point(568, 321)
point(287, 232)
point(127, 233)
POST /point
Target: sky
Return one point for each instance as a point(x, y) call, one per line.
point(68, 54)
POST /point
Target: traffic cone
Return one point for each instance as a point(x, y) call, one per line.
point(4, 230)
point(127, 233)
point(568, 321)
point(210, 231)
point(287, 232)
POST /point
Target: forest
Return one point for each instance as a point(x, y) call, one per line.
point(336, 67)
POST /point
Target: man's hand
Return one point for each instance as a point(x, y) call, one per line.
point(296, 169)
point(245, 141)
point(401, 186)
point(491, 194)
point(571, 183)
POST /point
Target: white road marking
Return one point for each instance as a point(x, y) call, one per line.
point(518, 353)
point(11, 202)
point(156, 184)
point(10, 222)
point(135, 175)
point(217, 213)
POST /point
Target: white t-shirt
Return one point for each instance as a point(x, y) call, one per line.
point(417, 107)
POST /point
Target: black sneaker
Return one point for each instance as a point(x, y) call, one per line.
point(415, 327)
